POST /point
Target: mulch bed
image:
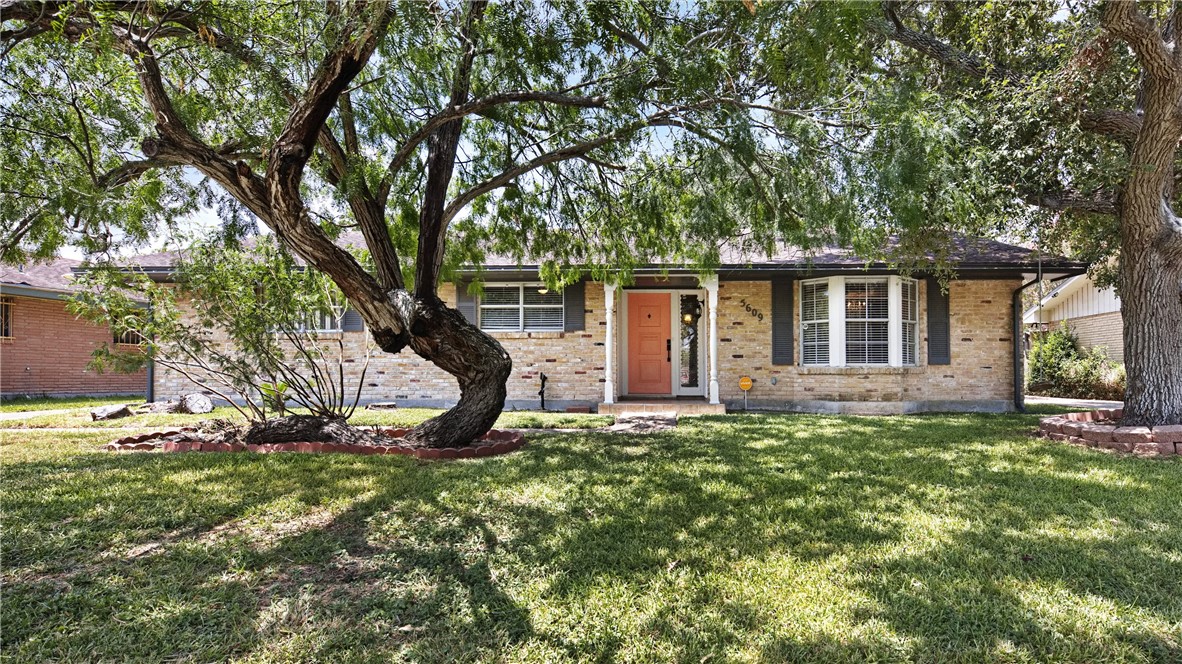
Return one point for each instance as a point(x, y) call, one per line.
point(1101, 429)
point(490, 444)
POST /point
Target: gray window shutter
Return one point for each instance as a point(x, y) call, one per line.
point(466, 302)
point(574, 301)
point(782, 310)
point(939, 329)
point(351, 321)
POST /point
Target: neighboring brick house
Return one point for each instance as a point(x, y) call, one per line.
point(827, 333)
point(45, 349)
point(1092, 313)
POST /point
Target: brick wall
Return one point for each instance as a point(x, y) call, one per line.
point(572, 362)
point(1101, 330)
point(980, 373)
point(50, 350)
point(981, 369)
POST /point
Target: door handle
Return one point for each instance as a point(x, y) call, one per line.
point(668, 350)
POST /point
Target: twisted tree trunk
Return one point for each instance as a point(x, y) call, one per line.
point(479, 363)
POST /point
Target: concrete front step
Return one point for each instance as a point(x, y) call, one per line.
point(661, 407)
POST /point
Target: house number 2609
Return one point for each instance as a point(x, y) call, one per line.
point(755, 313)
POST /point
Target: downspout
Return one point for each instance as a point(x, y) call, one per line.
point(1019, 371)
point(151, 392)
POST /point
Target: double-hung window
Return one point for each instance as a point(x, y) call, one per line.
point(867, 321)
point(859, 321)
point(521, 308)
point(814, 322)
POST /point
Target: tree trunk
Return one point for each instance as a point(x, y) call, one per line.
point(302, 429)
point(1151, 307)
point(1151, 261)
point(481, 366)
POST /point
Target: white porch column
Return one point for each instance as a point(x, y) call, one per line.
point(711, 285)
point(609, 345)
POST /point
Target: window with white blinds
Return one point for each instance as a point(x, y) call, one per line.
point(521, 307)
point(859, 321)
point(867, 322)
point(910, 320)
point(814, 322)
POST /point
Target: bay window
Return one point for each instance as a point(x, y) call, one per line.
point(521, 308)
point(859, 321)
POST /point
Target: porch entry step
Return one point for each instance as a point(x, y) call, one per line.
point(661, 407)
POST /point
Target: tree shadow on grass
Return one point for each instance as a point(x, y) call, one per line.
point(597, 547)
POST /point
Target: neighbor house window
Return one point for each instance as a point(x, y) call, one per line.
point(5, 318)
point(859, 321)
point(520, 307)
point(128, 338)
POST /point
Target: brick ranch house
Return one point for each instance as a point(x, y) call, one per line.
point(45, 349)
point(821, 333)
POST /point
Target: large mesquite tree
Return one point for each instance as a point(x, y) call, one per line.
point(576, 131)
point(1057, 120)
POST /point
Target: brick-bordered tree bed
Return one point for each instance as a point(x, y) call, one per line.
point(490, 444)
point(1101, 428)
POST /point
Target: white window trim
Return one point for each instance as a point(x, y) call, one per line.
point(837, 354)
point(521, 306)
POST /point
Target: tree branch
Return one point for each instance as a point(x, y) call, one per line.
point(627, 37)
point(407, 149)
point(441, 162)
point(1121, 18)
point(1121, 125)
point(1068, 201)
point(953, 58)
point(290, 155)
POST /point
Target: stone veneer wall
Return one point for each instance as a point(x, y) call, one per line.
point(1101, 330)
point(979, 378)
point(572, 362)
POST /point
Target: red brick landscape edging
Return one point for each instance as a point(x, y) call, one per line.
point(1100, 428)
point(492, 443)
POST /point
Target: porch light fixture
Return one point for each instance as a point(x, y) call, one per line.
point(543, 290)
point(687, 318)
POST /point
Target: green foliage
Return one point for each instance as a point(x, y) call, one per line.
point(715, 171)
point(244, 322)
point(1058, 368)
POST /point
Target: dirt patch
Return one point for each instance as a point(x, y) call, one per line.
point(642, 424)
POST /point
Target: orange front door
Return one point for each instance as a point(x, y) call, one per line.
point(649, 357)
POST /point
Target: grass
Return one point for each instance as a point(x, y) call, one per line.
point(759, 538)
point(399, 417)
point(24, 404)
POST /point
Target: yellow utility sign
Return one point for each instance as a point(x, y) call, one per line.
point(745, 383)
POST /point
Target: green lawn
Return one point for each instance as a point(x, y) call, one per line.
point(743, 538)
point(26, 404)
point(398, 417)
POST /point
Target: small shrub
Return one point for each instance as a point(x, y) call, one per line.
point(1057, 367)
